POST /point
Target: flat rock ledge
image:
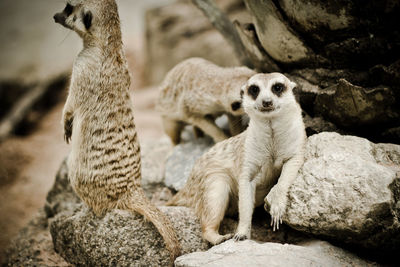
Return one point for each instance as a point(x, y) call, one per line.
point(251, 253)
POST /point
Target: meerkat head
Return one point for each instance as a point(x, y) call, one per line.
point(267, 95)
point(90, 19)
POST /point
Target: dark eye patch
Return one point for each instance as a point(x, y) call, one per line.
point(236, 105)
point(278, 89)
point(68, 9)
point(253, 91)
point(87, 19)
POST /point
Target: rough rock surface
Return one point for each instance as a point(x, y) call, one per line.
point(33, 246)
point(277, 38)
point(181, 160)
point(121, 237)
point(348, 190)
point(153, 159)
point(251, 253)
point(350, 106)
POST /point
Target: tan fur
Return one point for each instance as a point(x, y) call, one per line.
point(252, 168)
point(104, 163)
point(196, 92)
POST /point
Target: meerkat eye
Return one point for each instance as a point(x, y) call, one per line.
point(278, 88)
point(253, 91)
point(68, 9)
point(235, 105)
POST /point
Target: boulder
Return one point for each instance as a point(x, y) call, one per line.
point(153, 159)
point(251, 253)
point(181, 160)
point(348, 191)
point(121, 237)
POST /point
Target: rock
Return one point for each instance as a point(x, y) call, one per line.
point(121, 237)
point(179, 31)
point(352, 106)
point(33, 246)
point(315, 16)
point(154, 155)
point(181, 160)
point(251, 253)
point(317, 125)
point(348, 191)
point(276, 37)
point(61, 197)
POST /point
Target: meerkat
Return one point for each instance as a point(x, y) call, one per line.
point(196, 92)
point(104, 163)
point(252, 168)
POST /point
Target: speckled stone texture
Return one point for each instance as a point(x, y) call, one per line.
point(348, 190)
point(251, 253)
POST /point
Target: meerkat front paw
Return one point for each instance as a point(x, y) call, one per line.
point(241, 236)
point(68, 128)
point(275, 203)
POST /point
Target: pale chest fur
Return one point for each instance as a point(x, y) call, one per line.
point(268, 145)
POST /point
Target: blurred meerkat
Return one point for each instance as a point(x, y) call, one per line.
point(104, 163)
point(237, 174)
point(196, 92)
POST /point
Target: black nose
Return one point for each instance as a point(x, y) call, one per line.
point(267, 104)
point(58, 18)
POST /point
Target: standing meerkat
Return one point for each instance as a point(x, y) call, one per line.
point(196, 92)
point(104, 163)
point(237, 174)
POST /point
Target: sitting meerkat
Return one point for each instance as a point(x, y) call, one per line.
point(104, 165)
point(237, 174)
point(196, 92)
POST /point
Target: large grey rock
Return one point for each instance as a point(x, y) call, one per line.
point(251, 253)
point(121, 237)
point(181, 160)
point(348, 190)
point(153, 159)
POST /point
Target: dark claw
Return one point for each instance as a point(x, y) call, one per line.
point(239, 237)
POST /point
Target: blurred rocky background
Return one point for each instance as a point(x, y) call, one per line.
point(345, 57)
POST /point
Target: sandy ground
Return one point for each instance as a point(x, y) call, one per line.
point(29, 164)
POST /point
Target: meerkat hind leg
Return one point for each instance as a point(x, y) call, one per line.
point(173, 129)
point(209, 127)
point(216, 202)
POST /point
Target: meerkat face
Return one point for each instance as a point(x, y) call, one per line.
point(77, 16)
point(267, 95)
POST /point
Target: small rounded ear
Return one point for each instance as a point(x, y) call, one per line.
point(292, 85)
point(87, 19)
point(242, 91)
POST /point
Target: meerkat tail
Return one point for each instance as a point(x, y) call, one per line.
point(142, 205)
